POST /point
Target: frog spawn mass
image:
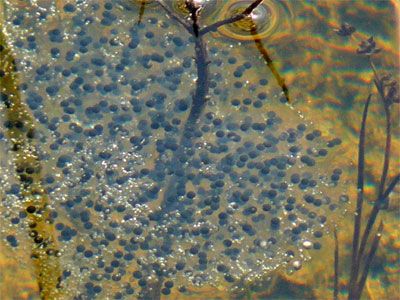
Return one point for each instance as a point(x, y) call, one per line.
point(254, 186)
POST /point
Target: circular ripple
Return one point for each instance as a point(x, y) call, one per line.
point(267, 18)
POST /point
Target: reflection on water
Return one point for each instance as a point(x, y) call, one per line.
point(256, 185)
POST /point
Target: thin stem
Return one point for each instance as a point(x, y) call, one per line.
point(233, 19)
point(360, 198)
point(141, 11)
point(263, 51)
point(376, 75)
point(379, 200)
point(368, 261)
point(391, 186)
point(379, 86)
point(385, 167)
point(336, 279)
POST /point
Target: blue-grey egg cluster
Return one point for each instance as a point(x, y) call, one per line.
point(254, 183)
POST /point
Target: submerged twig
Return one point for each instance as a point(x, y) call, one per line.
point(141, 11)
point(194, 13)
point(201, 91)
point(263, 51)
point(198, 104)
point(169, 201)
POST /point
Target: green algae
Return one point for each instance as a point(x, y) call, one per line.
point(21, 132)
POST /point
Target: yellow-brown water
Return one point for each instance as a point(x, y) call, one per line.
point(329, 83)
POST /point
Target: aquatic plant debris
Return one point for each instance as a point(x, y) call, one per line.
point(363, 250)
point(144, 202)
point(345, 30)
point(387, 99)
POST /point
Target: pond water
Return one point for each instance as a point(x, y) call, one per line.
point(142, 160)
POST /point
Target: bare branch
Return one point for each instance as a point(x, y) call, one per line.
point(198, 104)
point(194, 10)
